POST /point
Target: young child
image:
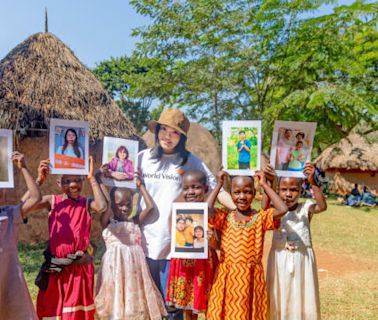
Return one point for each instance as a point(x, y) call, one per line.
point(239, 289)
point(199, 234)
point(15, 301)
point(68, 293)
point(190, 280)
point(297, 157)
point(181, 239)
point(125, 288)
point(120, 167)
point(292, 274)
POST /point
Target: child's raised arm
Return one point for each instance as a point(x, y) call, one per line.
point(33, 190)
point(214, 193)
point(98, 204)
point(105, 217)
point(280, 207)
point(271, 178)
point(320, 204)
point(147, 200)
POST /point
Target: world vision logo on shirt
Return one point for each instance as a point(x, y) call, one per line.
point(162, 176)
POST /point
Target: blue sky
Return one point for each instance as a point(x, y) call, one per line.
point(94, 29)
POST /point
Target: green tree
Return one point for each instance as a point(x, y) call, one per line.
point(242, 59)
point(113, 74)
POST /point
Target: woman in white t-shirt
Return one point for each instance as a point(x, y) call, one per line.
point(161, 169)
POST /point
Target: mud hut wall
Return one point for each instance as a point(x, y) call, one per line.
point(35, 150)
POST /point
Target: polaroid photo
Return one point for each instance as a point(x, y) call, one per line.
point(119, 157)
point(69, 147)
point(189, 230)
point(6, 166)
point(291, 147)
point(241, 147)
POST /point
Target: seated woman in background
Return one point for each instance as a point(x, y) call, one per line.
point(367, 198)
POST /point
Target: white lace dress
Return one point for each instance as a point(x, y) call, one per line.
point(292, 280)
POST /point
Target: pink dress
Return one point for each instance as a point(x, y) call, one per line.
point(15, 301)
point(69, 295)
point(125, 289)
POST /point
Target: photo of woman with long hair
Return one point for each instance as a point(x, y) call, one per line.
point(71, 146)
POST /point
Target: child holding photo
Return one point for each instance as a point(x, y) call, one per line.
point(66, 278)
point(292, 279)
point(15, 301)
point(190, 280)
point(120, 167)
point(239, 289)
point(125, 288)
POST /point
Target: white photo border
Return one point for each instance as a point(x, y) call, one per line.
point(9, 135)
point(54, 122)
point(309, 126)
point(226, 127)
point(200, 206)
point(114, 183)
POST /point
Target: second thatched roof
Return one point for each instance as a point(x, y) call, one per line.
point(41, 79)
point(354, 152)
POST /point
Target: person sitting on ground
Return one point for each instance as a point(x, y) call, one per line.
point(367, 198)
point(353, 200)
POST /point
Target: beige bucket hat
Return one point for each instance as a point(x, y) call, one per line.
point(173, 118)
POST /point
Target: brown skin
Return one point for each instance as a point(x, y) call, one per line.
point(122, 204)
point(192, 189)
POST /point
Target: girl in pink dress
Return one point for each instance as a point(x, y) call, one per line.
point(68, 292)
point(125, 288)
point(15, 301)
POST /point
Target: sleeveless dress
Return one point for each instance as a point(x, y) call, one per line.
point(125, 288)
point(69, 295)
point(292, 278)
point(190, 281)
point(239, 290)
point(15, 301)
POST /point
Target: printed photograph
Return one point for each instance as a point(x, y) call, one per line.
point(241, 147)
point(119, 158)
point(69, 146)
point(189, 229)
point(6, 167)
point(291, 147)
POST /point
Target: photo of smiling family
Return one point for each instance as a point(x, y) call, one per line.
point(291, 147)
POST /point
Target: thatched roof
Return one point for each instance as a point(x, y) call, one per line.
point(354, 152)
point(41, 78)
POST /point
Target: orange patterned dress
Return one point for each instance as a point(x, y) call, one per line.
point(239, 290)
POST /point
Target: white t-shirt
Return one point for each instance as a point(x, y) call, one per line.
point(163, 182)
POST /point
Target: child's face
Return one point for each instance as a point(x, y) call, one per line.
point(188, 222)
point(198, 233)
point(298, 145)
point(242, 135)
point(180, 225)
point(168, 138)
point(193, 189)
point(242, 192)
point(71, 185)
point(289, 191)
point(122, 204)
point(71, 137)
point(122, 154)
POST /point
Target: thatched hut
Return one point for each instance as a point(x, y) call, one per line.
point(353, 159)
point(39, 79)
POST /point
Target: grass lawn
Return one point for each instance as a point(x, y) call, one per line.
point(348, 233)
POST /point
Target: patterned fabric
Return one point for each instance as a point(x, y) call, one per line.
point(239, 290)
point(190, 281)
point(69, 295)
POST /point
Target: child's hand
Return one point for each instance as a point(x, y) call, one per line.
point(43, 171)
point(221, 176)
point(269, 173)
point(210, 234)
point(91, 168)
point(18, 160)
point(261, 176)
point(309, 172)
point(138, 179)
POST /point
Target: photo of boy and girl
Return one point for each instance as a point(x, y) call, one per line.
point(189, 231)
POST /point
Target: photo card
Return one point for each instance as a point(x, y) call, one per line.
point(6, 166)
point(120, 159)
point(241, 147)
point(291, 147)
point(189, 230)
point(69, 147)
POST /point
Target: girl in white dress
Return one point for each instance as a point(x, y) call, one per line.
point(292, 279)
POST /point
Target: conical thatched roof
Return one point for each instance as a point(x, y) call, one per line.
point(42, 78)
point(354, 152)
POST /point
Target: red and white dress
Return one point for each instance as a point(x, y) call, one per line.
point(69, 295)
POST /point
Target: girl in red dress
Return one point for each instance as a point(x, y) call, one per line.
point(68, 293)
point(190, 280)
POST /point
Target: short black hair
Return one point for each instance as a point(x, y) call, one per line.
point(241, 177)
point(189, 218)
point(241, 131)
point(201, 176)
point(300, 134)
